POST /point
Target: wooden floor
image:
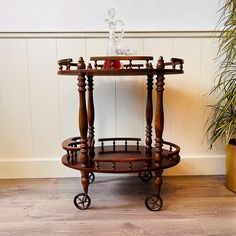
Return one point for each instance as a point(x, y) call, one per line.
point(199, 205)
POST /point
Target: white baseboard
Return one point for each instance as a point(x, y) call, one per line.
point(198, 165)
point(53, 168)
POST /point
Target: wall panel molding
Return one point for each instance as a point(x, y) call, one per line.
point(104, 34)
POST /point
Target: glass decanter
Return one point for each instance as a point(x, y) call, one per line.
point(115, 37)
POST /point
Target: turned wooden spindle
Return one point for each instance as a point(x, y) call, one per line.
point(130, 64)
point(90, 115)
point(95, 64)
point(137, 146)
point(113, 165)
point(114, 145)
point(150, 66)
point(83, 125)
point(130, 166)
point(83, 120)
point(97, 165)
point(68, 66)
point(158, 179)
point(89, 67)
point(85, 181)
point(159, 120)
point(149, 114)
point(126, 143)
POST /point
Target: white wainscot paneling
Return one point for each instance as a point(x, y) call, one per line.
point(44, 97)
point(157, 47)
point(186, 112)
point(71, 48)
point(2, 140)
point(130, 99)
point(15, 101)
point(208, 71)
point(104, 94)
point(38, 107)
point(130, 107)
point(68, 90)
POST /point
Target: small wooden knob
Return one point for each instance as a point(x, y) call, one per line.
point(150, 65)
point(160, 63)
point(89, 66)
point(81, 64)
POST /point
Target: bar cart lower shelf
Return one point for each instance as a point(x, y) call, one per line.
point(120, 159)
point(120, 154)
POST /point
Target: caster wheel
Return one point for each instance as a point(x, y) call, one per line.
point(153, 202)
point(145, 176)
point(91, 177)
point(82, 201)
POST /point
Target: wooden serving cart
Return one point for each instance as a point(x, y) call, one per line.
point(128, 156)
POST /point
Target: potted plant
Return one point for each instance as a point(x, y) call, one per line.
point(221, 124)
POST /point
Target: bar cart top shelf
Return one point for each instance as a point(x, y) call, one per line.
point(119, 161)
point(111, 66)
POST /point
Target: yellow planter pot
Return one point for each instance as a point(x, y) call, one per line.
point(231, 167)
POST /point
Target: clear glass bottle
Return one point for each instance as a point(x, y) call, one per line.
point(114, 39)
point(115, 35)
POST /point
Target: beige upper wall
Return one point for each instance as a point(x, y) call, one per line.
point(80, 15)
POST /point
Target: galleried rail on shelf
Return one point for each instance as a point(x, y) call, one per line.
point(120, 154)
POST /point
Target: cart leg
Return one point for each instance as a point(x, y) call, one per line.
point(82, 200)
point(85, 181)
point(158, 180)
point(154, 202)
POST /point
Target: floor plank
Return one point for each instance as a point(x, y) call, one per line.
point(193, 205)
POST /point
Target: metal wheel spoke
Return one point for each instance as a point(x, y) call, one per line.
point(145, 176)
point(82, 201)
point(91, 177)
point(154, 202)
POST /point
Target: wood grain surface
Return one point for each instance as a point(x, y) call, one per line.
point(199, 205)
